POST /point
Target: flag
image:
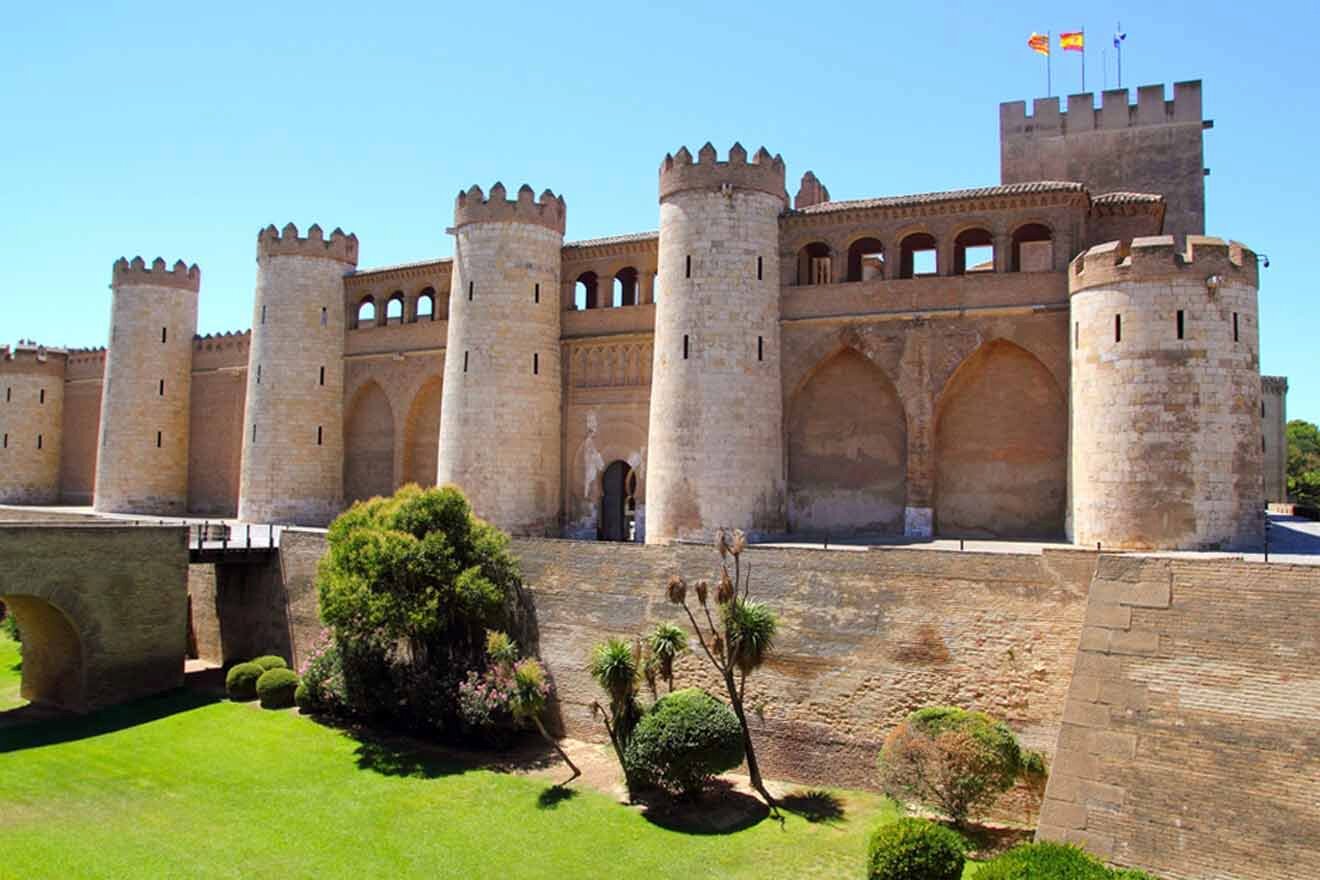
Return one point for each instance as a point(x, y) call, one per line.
point(1039, 43)
point(1119, 37)
point(1072, 41)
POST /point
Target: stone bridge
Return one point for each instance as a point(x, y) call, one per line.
point(103, 610)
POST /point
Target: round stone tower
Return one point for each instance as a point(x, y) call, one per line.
point(500, 415)
point(716, 454)
point(1165, 435)
point(293, 424)
point(142, 457)
point(31, 422)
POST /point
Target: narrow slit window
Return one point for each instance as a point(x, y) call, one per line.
point(319, 435)
point(160, 388)
point(536, 294)
point(760, 348)
point(465, 361)
point(687, 268)
point(158, 439)
point(685, 346)
point(258, 374)
point(1262, 443)
point(1077, 334)
point(38, 441)
point(263, 314)
point(9, 394)
point(471, 287)
point(41, 396)
point(1118, 328)
point(759, 269)
point(1180, 324)
point(536, 364)
point(254, 432)
point(321, 380)
point(1262, 409)
point(162, 334)
point(325, 315)
point(1235, 327)
point(6, 441)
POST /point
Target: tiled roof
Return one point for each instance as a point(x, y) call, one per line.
point(1121, 198)
point(953, 195)
point(613, 239)
point(420, 264)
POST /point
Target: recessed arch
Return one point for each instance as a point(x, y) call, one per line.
point(424, 310)
point(626, 287)
point(866, 259)
point(1033, 248)
point(814, 264)
point(365, 314)
point(369, 444)
point(422, 434)
point(54, 672)
point(1001, 447)
point(847, 449)
point(394, 308)
point(618, 502)
point(973, 251)
point(918, 254)
point(586, 291)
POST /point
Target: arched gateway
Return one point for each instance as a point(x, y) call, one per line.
point(103, 610)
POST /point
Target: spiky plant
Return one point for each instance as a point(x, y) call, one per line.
point(665, 643)
point(615, 667)
point(530, 692)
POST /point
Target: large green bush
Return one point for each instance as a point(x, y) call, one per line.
point(952, 760)
point(276, 688)
point(270, 661)
point(241, 681)
point(1052, 861)
point(915, 849)
point(686, 739)
point(408, 587)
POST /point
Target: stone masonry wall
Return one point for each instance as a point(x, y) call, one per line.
point(31, 422)
point(1190, 743)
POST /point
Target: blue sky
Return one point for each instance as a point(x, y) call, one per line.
point(164, 129)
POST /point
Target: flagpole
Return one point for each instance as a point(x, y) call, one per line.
point(1049, 88)
point(1119, 47)
point(1104, 67)
point(1083, 59)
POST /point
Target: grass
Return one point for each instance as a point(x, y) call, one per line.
point(185, 786)
point(11, 674)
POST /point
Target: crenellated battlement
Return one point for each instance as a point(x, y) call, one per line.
point(1115, 111)
point(1158, 258)
point(473, 206)
point(764, 173)
point(136, 272)
point(27, 352)
point(272, 242)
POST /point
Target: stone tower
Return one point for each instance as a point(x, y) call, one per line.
point(293, 424)
point(142, 457)
point(31, 422)
point(1165, 433)
point(715, 454)
point(500, 411)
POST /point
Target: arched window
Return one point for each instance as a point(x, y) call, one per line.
point(425, 305)
point(394, 308)
point(366, 312)
point(625, 287)
point(655, 287)
point(973, 251)
point(1033, 248)
point(917, 256)
point(866, 259)
point(814, 265)
point(585, 292)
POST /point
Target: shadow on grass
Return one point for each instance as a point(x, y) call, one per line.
point(554, 795)
point(404, 758)
point(815, 806)
point(34, 725)
point(722, 809)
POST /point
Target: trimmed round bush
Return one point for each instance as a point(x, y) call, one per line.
point(687, 738)
point(1052, 861)
point(241, 681)
point(277, 688)
point(302, 697)
point(915, 849)
point(271, 661)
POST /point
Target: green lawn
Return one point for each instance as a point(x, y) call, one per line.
point(10, 673)
point(180, 786)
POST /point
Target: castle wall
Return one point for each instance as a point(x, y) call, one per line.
point(142, 460)
point(1166, 432)
point(1189, 744)
point(82, 423)
point(1274, 421)
point(219, 388)
point(31, 424)
point(1153, 146)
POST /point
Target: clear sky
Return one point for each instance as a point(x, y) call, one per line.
point(179, 129)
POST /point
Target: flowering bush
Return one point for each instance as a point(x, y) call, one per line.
point(485, 698)
point(322, 688)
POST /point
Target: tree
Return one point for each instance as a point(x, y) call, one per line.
point(742, 640)
point(663, 645)
point(953, 760)
point(614, 667)
point(1303, 462)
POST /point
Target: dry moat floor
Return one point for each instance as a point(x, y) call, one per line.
point(189, 785)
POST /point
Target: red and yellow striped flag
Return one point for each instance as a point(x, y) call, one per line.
point(1073, 41)
point(1039, 43)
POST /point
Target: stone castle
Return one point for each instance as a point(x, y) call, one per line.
point(1062, 355)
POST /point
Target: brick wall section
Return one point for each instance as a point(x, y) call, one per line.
point(31, 424)
point(82, 422)
point(114, 597)
point(1189, 745)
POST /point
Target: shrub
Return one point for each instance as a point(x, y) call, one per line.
point(276, 688)
point(686, 739)
point(1052, 861)
point(271, 661)
point(241, 681)
point(323, 677)
point(302, 697)
point(915, 849)
point(952, 760)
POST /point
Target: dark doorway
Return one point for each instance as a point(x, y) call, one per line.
point(618, 504)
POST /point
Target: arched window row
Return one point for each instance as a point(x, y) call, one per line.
point(393, 307)
point(628, 286)
point(1028, 248)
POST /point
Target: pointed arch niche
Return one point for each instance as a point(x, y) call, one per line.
point(847, 450)
point(369, 445)
point(1001, 447)
point(422, 430)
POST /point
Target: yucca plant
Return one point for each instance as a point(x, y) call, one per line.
point(741, 642)
point(663, 645)
point(614, 665)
